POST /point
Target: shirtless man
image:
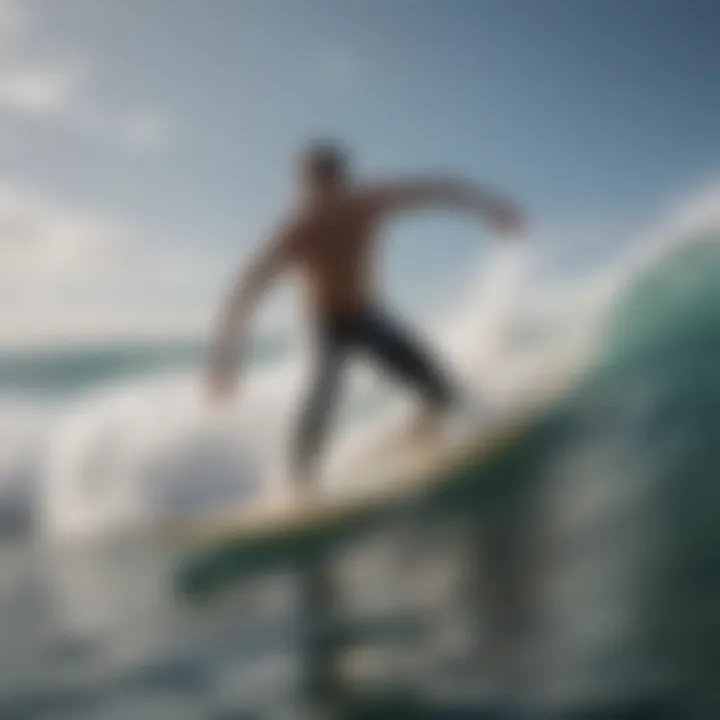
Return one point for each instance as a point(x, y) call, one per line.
point(329, 240)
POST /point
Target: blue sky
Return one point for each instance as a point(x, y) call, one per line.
point(146, 145)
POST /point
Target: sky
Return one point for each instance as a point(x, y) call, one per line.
point(145, 146)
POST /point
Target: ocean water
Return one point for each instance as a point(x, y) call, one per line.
point(577, 576)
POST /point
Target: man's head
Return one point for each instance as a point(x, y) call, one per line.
point(324, 168)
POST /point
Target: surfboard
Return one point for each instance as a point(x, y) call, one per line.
point(275, 536)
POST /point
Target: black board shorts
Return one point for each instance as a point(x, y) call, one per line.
point(373, 333)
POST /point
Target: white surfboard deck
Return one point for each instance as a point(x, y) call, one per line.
point(403, 469)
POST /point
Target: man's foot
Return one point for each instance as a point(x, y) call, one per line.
point(292, 490)
point(302, 487)
point(425, 427)
point(418, 430)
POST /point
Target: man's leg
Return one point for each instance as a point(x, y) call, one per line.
point(314, 418)
point(319, 680)
point(409, 361)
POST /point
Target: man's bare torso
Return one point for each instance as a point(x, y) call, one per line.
point(332, 251)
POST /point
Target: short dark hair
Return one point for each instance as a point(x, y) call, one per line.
point(325, 161)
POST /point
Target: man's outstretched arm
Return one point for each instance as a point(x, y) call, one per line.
point(232, 325)
point(388, 198)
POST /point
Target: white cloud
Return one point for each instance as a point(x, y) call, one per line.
point(48, 89)
point(70, 275)
point(146, 129)
point(13, 18)
point(140, 131)
point(61, 91)
point(32, 82)
point(99, 322)
point(42, 242)
point(67, 273)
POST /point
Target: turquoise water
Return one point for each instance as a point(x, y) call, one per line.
point(69, 370)
point(578, 575)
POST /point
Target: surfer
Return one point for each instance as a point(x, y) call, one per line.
point(328, 240)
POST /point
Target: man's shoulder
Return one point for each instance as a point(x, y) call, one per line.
point(289, 224)
point(295, 225)
point(293, 230)
point(304, 221)
point(307, 219)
